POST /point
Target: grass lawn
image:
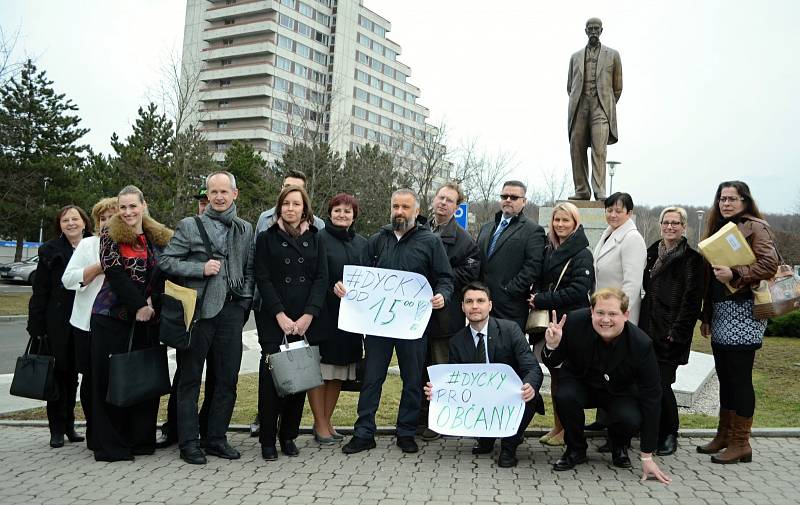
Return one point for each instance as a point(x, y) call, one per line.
point(12, 304)
point(777, 395)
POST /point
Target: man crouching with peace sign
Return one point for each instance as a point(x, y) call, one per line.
point(605, 362)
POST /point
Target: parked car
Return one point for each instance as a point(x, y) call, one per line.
point(24, 271)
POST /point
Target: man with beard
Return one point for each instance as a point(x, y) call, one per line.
point(410, 246)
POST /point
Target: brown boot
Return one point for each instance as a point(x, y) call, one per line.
point(738, 443)
point(720, 441)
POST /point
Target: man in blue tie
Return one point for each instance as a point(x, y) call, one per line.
point(512, 250)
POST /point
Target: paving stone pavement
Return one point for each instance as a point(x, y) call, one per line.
point(444, 471)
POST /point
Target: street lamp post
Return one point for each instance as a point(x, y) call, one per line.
point(612, 168)
point(44, 199)
point(700, 214)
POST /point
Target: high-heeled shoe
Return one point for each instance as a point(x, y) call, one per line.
point(336, 435)
point(322, 440)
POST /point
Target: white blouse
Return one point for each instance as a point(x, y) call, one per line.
point(86, 254)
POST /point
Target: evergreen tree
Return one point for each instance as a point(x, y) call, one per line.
point(258, 186)
point(38, 143)
point(323, 169)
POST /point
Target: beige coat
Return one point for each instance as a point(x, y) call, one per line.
point(619, 260)
point(609, 87)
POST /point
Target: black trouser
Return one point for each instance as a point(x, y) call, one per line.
point(280, 417)
point(83, 363)
point(218, 340)
point(61, 411)
point(623, 417)
point(735, 373)
point(670, 422)
point(119, 432)
point(378, 355)
point(170, 426)
point(437, 354)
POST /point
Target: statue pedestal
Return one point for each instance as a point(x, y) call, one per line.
point(593, 219)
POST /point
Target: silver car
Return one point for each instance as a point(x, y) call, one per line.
point(24, 271)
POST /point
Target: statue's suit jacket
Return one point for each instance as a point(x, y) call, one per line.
point(609, 86)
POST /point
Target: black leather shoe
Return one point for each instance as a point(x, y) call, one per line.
point(568, 460)
point(223, 450)
point(619, 457)
point(269, 452)
point(668, 446)
point(483, 446)
point(358, 444)
point(56, 441)
point(193, 456)
point(507, 458)
point(595, 426)
point(407, 445)
point(74, 436)
point(164, 440)
point(289, 448)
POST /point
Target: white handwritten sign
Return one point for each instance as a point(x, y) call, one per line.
point(386, 303)
point(475, 400)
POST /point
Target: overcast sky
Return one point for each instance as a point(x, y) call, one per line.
point(710, 88)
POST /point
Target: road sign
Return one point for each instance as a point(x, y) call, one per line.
point(461, 215)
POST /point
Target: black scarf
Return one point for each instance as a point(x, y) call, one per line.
point(343, 234)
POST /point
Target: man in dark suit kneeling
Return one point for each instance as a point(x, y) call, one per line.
point(490, 340)
point(605, 362)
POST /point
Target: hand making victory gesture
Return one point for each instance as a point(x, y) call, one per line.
point(552, 336)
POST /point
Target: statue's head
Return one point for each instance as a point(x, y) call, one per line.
point(594, 27)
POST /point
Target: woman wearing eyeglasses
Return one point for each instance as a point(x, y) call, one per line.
point(673, 286)
point(728, 319)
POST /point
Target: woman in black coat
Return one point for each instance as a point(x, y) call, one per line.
point(566, 283)
point(292, 276)
point(673, 285)
point(49, 311)
point(340, 350)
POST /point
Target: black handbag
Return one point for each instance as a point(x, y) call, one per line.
point(137, 376)
point(172, 327)
point(33, 375)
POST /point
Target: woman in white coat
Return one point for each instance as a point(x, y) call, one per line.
point(621, 254)
point(85, 276)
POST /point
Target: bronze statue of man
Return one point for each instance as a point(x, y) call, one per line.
point(594, 85)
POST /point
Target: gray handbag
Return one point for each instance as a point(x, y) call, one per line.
point(296, 370)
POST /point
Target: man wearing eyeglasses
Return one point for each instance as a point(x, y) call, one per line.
point(605, 361)
point(512, 250)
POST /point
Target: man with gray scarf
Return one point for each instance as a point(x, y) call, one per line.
point(224, 282)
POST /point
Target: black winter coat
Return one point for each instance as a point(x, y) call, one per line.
point(342, 247)
point(514, 267)
point(50, 306)
point(672, 302)
point(577, 283)
point(419, 251)
point(292, 277)
point(464, 257)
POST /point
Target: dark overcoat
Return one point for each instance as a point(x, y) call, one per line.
point(342, 247)
point(292, 276)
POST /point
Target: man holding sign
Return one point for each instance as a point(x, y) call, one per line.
point(490, 340)
point(605, 362)
point(402, 245)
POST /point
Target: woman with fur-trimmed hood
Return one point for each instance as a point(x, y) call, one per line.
point(130, 245)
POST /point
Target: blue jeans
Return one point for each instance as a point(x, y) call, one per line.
point(378, 354)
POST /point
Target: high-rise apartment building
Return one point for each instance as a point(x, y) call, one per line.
point(276, 72)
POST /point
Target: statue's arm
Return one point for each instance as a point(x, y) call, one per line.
point(569, 77)
point(617, 76)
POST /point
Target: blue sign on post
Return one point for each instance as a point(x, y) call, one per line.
point(461, 215)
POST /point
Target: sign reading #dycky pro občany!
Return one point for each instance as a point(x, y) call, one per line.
point(386, 303)
point(475, 400)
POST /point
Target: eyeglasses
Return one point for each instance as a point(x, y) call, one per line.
point(731, 199)
point(674, 224)
point(513, 198)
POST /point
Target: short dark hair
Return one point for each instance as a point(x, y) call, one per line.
point(476, 286)
point(518, 184)
point(623, 198)
point(88, 224)
point(344, 199)
point(295, 174)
